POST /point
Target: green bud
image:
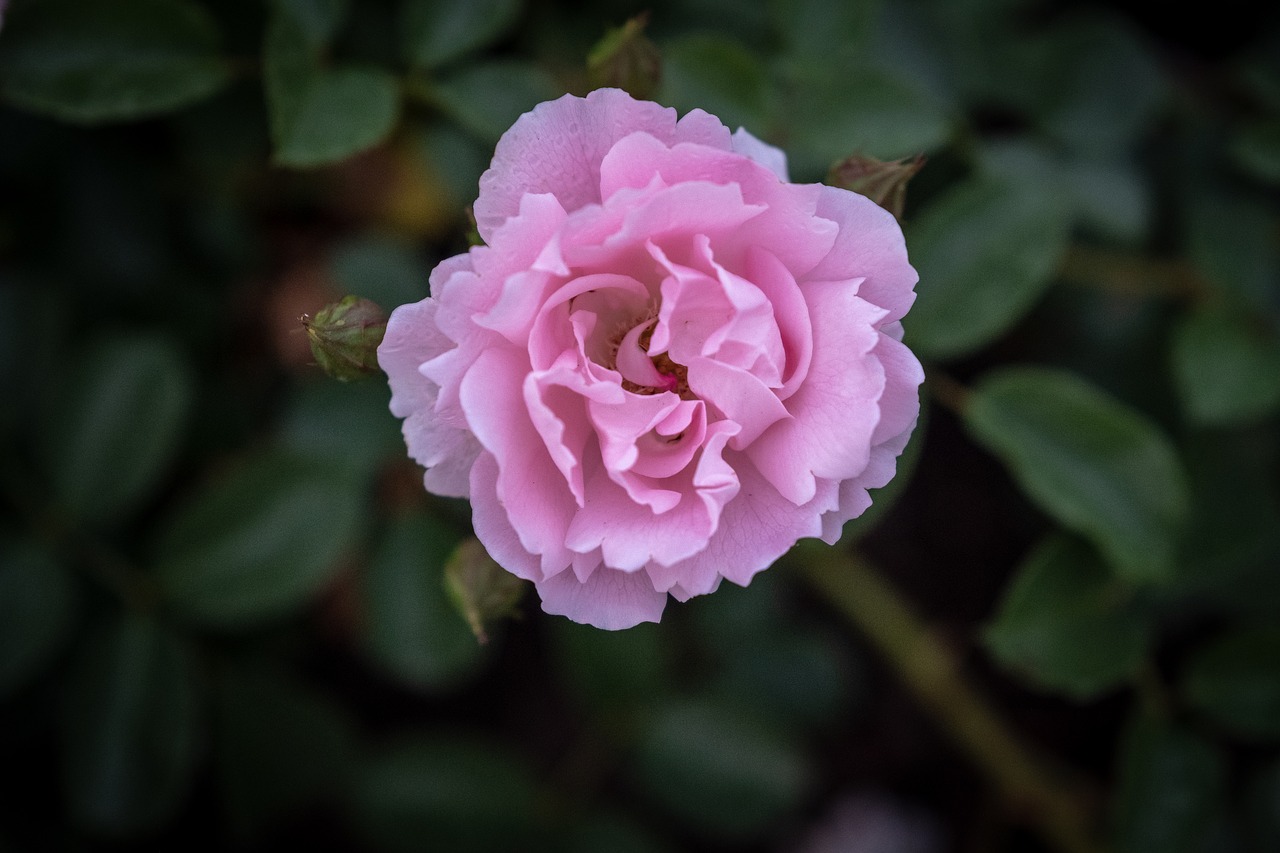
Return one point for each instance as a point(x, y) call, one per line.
point(481, 590)
point(884, 182)
point(627, 60)
point(344, 337)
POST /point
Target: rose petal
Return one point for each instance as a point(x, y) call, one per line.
point(869, 246)
point(492, 395)
point(608, 599)
point(773, 159)
point(835, 411)
point(557, 148)
point(492, 523)
point(756, 528)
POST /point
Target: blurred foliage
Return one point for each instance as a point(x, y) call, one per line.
point(223, 619)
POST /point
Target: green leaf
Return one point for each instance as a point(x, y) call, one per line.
point(1227, 365)
point(487, 98)
point(281, 748)
point(1103, 88)
point(131, 727)
point(118, 428)
point(412, 631)
point(719, 773)
point(1066, 624)
point(716, 74)
point(1097, 466)
point(436, 32)
point(1171, 788)
point(985, 251)
point(859, 110)
point(321, 115)
point(89, 61)
point(612, 670)
point(793, 677)
point(449, 791)
point(342, 427)
point(1235, 680)
point(1229, 239)
point(388, 271)
point(258, 544)
point(338, 113)
point(1256, 149)
point(811, 29)
point(38, 604)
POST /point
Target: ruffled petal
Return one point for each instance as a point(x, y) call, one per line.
point(608, 599)
point(558, 146)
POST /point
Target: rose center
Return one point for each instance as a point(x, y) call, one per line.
point(645, 374)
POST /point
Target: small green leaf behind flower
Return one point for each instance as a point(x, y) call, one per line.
point(481, 590)
point(344, 337)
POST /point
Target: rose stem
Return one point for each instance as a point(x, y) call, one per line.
point(1029, 783)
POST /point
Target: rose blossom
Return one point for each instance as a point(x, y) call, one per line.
point(665, 366)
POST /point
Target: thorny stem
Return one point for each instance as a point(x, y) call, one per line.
point(1030, 784)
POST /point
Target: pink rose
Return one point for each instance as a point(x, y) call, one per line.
point(666, 365)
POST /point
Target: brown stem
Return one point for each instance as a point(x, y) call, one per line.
point(1032, 785)
point(1130, 274)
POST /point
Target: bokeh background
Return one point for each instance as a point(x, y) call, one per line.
point(222, 617)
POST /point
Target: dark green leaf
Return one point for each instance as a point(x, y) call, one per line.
point(89, 61)
point(1256, 149)
point(447, 792)
point(259, 543)
point(833, 111)
point(1171, 787)
point(612, 670)
point(318, 20)
point(1235, 680)
point(281, 748)
point(131, 728)
point(1227, 365)
point(487, 98)
point(1097, 466)
point(342, 427)
point(338, 113)
point(985, 251)
point(435, 32)
point(38, 603)
point(812, 29)
point(1229, 239)
point(718, 772)
point(1066, 624)
point(321, 115)
point(716, 74)
point(411, 630)
point(388, 271)
point(118, 427)
point(794, 677)
point(1103, 87)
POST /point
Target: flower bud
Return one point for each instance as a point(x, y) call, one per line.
point(344, 337)
point(481, 590)
point(882, 181)
point(625, 59)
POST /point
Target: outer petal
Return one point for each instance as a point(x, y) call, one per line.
point(557, 148)
point(869, 246)
point(608, 599)
point(492, 525)
point(835, 411)
point(756, 528)
point(493, 397)
point(447, 451)
point(773, 159)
